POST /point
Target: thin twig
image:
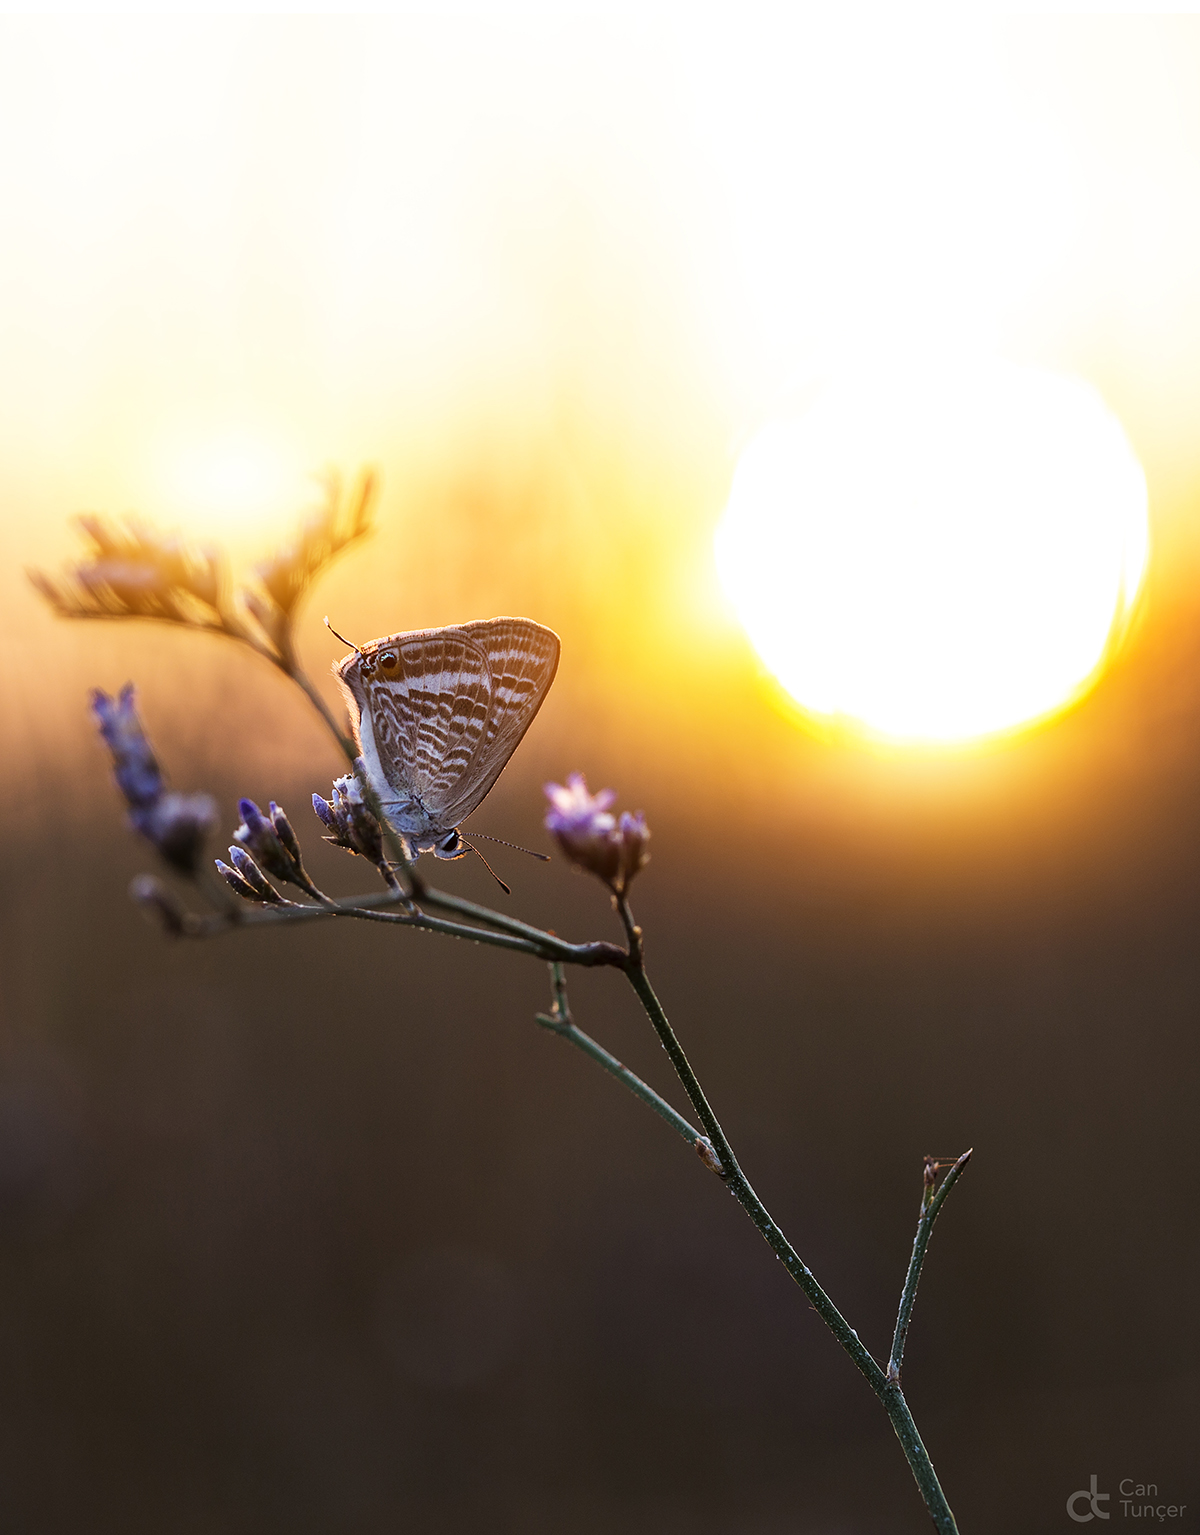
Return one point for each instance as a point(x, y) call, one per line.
point(367, 909)
point(740, 1187)
point(441, 900)
point(888, 1390)
point(633, 932)
point(560, 1022)
point(932, 1198)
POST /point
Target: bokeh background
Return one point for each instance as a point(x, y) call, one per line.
point(317, 1230)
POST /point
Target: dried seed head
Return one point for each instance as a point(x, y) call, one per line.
point(133, 571)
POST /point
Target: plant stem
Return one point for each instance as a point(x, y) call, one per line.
point(367, 909)
point(560, 1022)
point(440, 900)
point(888, 1390)
point(931, 1203)
point(739, 1185)
point(917, 1455)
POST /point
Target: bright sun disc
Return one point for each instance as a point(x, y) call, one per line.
point(937, 554)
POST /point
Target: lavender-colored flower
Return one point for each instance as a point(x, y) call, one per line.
point(634, 835)
point(247, 879)
point(590, 837)
point(283, 830)
point(235, 881)
point(271, 841)
point(177, 824)
point(583, 827)
point(135, 767)
point(350, 820)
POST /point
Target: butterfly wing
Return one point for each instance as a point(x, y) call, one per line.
point(522, 659)
point(446, 724)
point(430, 718)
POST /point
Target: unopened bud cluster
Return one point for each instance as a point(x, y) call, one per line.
point(262, 845)
point(350, 821)
point(611, 849)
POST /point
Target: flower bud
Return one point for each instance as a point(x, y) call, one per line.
point(613, 851)
point(135, 767)
point(248, 880)
point(583, 828)
point(261, 840)
point(634, 835)
point(283, 830)
point(350, 821)
point(253, 876)
point(234, 880)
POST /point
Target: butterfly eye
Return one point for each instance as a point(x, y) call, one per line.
point(389, 661)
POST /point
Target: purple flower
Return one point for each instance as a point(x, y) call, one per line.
point(350, 820)
point(137, 772)
point(583, 827)
point(247, 879)
point(634, 834)
point(271, 842)
point(177, 824)
point(590, 837)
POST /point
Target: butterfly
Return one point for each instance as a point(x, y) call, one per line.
point(437, 714)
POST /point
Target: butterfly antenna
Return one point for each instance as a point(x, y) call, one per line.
point(341, 637)
point(545, 857)
point(488, 866)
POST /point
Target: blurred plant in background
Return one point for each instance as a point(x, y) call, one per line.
point(131, 571)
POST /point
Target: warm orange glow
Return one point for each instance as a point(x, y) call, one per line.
point(236, 484)
point(937, 552)
point(550, 279)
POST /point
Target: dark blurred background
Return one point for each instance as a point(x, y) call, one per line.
point(315, 1229)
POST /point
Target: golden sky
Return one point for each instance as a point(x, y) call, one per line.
point(549, 274)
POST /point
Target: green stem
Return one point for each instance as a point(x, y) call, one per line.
point(586, 954)
point(739, 1186)
point(440, 900)
point(560, 1022)
point(931, 1203)
point(918, 1459)
point(367, 910)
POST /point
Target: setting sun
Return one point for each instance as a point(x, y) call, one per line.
point(232, 482)
point(937, 553)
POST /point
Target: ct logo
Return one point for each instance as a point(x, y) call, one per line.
point(1088, 1495)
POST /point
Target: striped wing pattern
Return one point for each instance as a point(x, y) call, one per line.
point(446, 726)
point(522, 659)
point(430, 719)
